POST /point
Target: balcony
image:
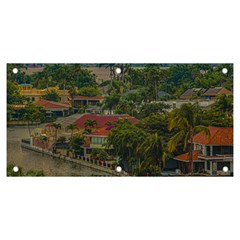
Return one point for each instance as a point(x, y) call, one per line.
point(216, 157)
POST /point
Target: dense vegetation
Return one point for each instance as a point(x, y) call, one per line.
point(140, 92)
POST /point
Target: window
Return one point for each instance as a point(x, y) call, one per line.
point(198, 147)
point(222, 150)
point(216, 150)
point(98, 140)
point(208, 150)
point(227, 150)
point(220, 165)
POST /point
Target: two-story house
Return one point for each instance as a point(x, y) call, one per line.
point(210, 155)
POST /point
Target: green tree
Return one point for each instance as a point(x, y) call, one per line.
point(20, 77)
point(110, 102)
point(88, 91)
point(156, 123)
point(100, 154)
point(76, 143)
point(152, 79)
point(72, 127)
point(186, 120)
point(224, 103)
point(13, 93)
point(124, 139)
point(32, 113)
point(52, 96)
point(153, 152)
point(126, 107)
point(89, 124)
point(147, 109)
point(214, 117)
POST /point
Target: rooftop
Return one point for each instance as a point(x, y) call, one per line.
point(192, 92)
point(186, 156)
point(102, 120)
point(218, 136)
point(51, 104)
point(88, 98)
point(215, 91)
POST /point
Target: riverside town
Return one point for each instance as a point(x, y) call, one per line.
point(151, 120)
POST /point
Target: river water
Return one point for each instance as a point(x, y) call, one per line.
point(29, 160)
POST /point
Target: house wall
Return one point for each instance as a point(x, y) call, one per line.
point(215, 170)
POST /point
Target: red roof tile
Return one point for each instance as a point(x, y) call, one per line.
point(88, 98)
point(103, 119)
point(186, 156)
point(218, 136)
point(51, 104)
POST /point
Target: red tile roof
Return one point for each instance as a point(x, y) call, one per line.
point(218, 136)
point(103, 119)
point(88, 98)
point(51, 104)
point(186, 156)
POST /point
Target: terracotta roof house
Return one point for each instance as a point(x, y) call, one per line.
point(214, 92)
point(98, 137)
point(193, 92)
point(210, 155)
point(102, 120)
point(59, 108)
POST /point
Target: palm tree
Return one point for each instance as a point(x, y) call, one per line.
point(152, 76)
point(110, 102)
point(224, 103)
point(56, 126)
point(72, 93)
point(72, 127)
point(90, 123)
point(185, 119)
point(153, 152)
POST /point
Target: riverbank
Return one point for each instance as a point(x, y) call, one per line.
point(93, 164)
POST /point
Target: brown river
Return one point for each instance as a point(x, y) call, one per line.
point(29, 160)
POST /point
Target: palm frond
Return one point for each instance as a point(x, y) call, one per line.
point(174, 140)
point(203, 129)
